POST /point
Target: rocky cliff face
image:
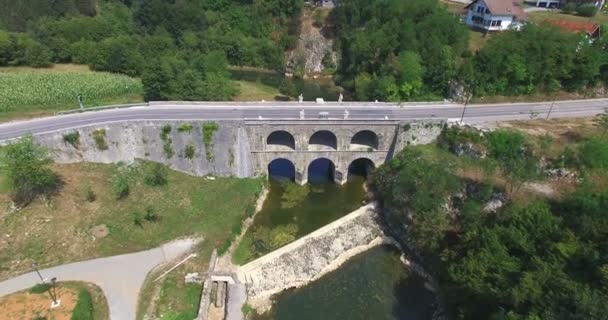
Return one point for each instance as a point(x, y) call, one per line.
point(312, 47)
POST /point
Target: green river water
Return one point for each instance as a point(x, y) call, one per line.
point(372, 285)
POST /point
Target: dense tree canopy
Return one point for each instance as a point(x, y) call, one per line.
point(534, 258)
point(136, 37)
point(397, 50)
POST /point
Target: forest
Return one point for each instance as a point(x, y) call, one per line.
point(393, 50)
point(180, 49)
point(399, 50)
point(524, 257)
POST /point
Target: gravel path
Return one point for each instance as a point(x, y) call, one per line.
point(120, 277)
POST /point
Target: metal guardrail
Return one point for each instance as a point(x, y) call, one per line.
point(115, 106)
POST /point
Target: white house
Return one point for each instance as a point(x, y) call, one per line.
point(495, 15)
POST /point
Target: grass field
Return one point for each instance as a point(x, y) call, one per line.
point(257, 91)
point(28, 92)
point(60, 230)
point(541, 16)
point(35, 304)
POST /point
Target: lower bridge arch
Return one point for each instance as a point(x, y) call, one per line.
point(362, 167)
point(321, 170)
point(282, 168)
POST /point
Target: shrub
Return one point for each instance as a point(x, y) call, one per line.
point(155, 175)
point(593, 153)
point(587, 10)
point(26, 165)
point(137, 219)
point(569, 7)
point(318, 19)
point(88, 194)
point(150, 215)
point(72, 138)
point(189, 151)
point(40, 288)
point(99, 136)
point(165, 131)
point(288, 88)
point(185, 127)
point(209, 128)
point(168, 143)
point(84, 306)
point(120, 184)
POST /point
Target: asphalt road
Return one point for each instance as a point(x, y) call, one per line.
point(281, 111)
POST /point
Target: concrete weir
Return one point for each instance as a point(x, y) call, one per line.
point(312, 256)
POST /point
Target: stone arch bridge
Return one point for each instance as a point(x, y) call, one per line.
point(341, 143)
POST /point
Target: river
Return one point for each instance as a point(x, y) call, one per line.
point(372, 285)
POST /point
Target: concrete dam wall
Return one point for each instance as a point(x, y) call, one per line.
point(238, 148)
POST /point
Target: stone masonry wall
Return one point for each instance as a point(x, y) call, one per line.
point(229, 156)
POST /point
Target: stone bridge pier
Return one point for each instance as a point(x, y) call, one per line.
point(341, 147)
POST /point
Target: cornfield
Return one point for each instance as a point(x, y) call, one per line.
point(39, 91)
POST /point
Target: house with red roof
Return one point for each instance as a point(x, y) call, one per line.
point(495, 15)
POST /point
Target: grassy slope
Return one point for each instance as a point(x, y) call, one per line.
point(58, 231)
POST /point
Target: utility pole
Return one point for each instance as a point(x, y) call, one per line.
point(53, 292)
point(550, 109)
point(35, 267)
point(467, 98)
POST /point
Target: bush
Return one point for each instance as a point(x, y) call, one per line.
point(569, 7)
point(167, 142)
point(38, 56)
point(84, 306)
point(155, 175)
point(40, 288)
point(209, 129)
point(587, 10)
point(150, 215)
point(288, 88)
point(120, 184)
point(26, 166)
point(72, 138)
point(137, 219)
point(593, 153)
point(189, 151)
point(88, 194)
point(99, 136)
point(184, 127)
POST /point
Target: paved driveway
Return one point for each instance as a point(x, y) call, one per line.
point(120, 277)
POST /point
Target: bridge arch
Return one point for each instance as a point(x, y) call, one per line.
point(280, 141)
point(321, 170)
point(365, 140)
point(281, 168)
point(323, 140)
point(361, 167)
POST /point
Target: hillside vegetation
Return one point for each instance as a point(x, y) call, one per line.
point(478, 214)
point(95, 210)
point(399, 50)
point(180, 49)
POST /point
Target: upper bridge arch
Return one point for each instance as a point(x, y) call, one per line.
point(365, 140)
point(280, 140)
point(323, 140)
